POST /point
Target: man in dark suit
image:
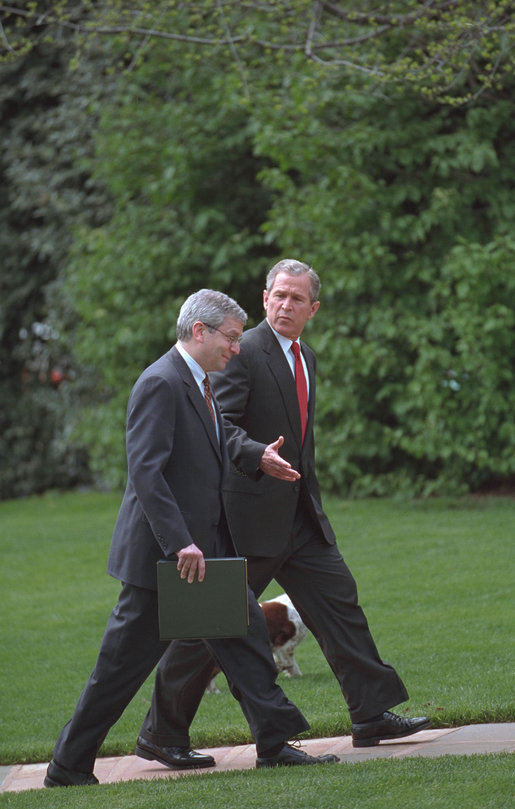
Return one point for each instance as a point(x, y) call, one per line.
point(172, 509)
point(280, 525)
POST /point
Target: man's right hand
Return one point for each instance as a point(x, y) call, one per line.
point(272, 464)
point(191, 561)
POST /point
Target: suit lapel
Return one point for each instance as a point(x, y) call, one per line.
point(198, 403)
point(281, 371)
point(222, 446)
point(312, 382)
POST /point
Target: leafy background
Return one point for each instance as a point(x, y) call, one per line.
point(137, 168)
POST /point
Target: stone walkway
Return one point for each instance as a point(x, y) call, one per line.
point(430, 743)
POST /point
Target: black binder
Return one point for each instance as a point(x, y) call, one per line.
point(214, 608)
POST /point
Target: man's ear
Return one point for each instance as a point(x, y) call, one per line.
point(314, 309)
point(198, 331)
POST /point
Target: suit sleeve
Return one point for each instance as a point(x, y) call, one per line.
point(232, 390)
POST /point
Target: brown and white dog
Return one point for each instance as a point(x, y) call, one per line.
point(285, 630)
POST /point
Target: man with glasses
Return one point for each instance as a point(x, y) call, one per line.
point(280, 525)
point(172, 509)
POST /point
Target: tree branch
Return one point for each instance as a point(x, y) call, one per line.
point(447, 48)
point(392, 20)
point(233, 49)
point(4, 37)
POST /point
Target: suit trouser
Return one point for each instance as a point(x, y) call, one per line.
point(130, 650)
point(323, 590)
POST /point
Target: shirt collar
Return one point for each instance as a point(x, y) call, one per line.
point(196, 369)
point(284, 342)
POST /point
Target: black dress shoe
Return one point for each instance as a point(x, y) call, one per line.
point(291, 756)
point(57, 776)
point(178, 758)
point(389, 726)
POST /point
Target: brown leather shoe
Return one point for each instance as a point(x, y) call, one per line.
point(390, 726)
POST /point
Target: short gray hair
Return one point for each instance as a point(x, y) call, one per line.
point(294, 267)
point(210, 307)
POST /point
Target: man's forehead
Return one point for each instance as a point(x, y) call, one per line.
point(232, 323)
point(284, 280)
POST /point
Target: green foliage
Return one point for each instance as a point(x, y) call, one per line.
point(46, 127)
point(176, 153)
point(373, 142)
point(409, 224)
point(399, 219)
point(449, 51)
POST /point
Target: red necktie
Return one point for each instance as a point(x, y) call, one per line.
point(302, 388)
point(209, 398)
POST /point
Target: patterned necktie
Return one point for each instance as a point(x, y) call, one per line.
point(209, 398)
point(302, 388)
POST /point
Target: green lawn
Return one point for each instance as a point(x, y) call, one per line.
point(435, 579)
point(475, 782)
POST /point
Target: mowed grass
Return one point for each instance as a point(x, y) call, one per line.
point(475, 782)
point(435, 579)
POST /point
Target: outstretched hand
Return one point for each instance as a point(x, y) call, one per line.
point(275, 466)
point(191, 561)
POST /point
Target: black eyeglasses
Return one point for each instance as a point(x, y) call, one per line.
point(232, 340)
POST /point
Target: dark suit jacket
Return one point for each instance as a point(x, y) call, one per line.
point(176, 468)
point(257, 393)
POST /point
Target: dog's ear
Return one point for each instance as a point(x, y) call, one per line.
point(286, 632)
point(280, 628)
